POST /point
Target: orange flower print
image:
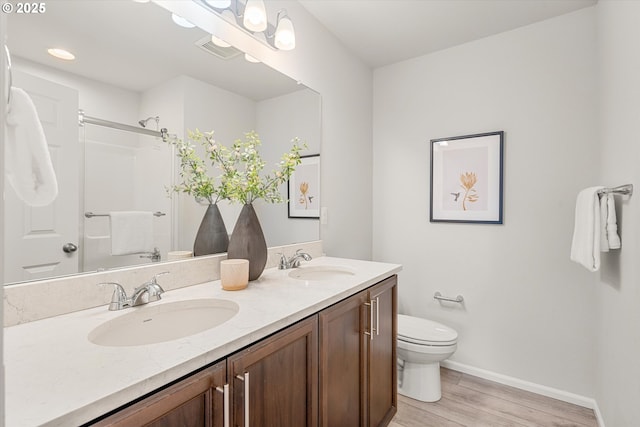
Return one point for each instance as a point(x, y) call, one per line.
point(468, 181)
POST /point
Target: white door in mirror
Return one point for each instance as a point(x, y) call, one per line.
point(36, 237)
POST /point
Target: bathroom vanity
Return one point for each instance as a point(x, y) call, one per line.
point(303, 350)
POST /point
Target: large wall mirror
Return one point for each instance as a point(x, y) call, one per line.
point(156, 75)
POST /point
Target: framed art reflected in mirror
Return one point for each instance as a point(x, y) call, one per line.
point(304, 189)
point(466, 178)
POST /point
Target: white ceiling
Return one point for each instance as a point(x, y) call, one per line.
point(382, 32)
point(136, 46)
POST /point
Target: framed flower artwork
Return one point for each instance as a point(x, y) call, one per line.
point(304, 189)
point(466, 178)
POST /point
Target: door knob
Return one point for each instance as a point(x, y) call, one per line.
point(69, 248)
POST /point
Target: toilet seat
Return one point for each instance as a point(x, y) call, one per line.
point(426, 332)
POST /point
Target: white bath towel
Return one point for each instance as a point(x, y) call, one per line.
point(613, 239)
point(585, 247)
point(604, 212)
point(27, 159)
point(131, 232)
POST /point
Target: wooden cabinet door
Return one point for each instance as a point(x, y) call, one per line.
point(193, 402)
point(342, 381)
point(381, 364)
point(275, 382)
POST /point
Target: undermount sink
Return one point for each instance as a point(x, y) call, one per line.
point(153, 324)
point(321, 272)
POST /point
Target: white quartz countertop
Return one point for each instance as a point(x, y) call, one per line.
point(56, 377)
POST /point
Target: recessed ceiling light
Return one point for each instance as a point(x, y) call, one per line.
point(181, 21)
point(61, 54)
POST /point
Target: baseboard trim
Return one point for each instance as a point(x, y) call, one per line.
point(565, 396)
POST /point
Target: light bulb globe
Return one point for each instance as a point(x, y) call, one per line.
point(285, 37)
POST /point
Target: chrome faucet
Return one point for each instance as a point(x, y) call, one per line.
point(294, 261)
point(152, 288)
point(119, 299)
point(153, 256)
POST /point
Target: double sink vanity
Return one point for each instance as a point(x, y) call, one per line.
point(308, 346)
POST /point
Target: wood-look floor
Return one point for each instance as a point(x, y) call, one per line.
point(475, 402)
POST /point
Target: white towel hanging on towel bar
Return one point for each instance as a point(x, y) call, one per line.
point(609, 238)
point(131, 232)
point(585, 246)
point(595, 228)
point(27, 160)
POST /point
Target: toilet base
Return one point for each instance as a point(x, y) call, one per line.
point(420, 381)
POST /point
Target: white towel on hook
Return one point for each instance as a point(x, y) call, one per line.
point(131, 232)
point(585, 246)
point(27, 159)
point(613, 239)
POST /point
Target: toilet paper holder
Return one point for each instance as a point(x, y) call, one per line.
point(459, 299)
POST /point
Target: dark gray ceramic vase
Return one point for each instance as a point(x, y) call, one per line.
point(247, 242)
point(212, 237)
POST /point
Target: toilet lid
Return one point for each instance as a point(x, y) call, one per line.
point(423, 331)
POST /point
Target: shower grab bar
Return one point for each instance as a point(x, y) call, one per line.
point(626, 190)
point(10, 79)
point(459, 299)
point(91, 214)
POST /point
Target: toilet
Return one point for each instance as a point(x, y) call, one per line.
point(422, 345)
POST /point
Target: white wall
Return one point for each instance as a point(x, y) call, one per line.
point(529, 311)
point(322, 63)
point(3, 112)
point(278, 121)
point(167, 101)
point(208, 108)
point(97, 99)
point(189, 104)
point(618, 295)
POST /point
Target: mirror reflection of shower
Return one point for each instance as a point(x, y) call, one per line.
point(126, 169)
point(143, 122)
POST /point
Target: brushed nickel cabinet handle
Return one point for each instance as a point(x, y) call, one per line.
point(377, 315)
point(225, 396)
point(245, 379)
point(370, 333)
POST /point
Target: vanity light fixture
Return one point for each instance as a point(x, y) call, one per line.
point(285, 36)
point(255, 16)
point(61, 54)
point(251, 16)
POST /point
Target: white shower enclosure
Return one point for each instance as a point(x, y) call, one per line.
point(123, 171)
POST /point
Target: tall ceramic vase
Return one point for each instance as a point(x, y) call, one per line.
point(212, 237)
point(247, 242)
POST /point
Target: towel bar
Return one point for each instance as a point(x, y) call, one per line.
point(91, 214)
point(459, 299)
point(622, 189)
